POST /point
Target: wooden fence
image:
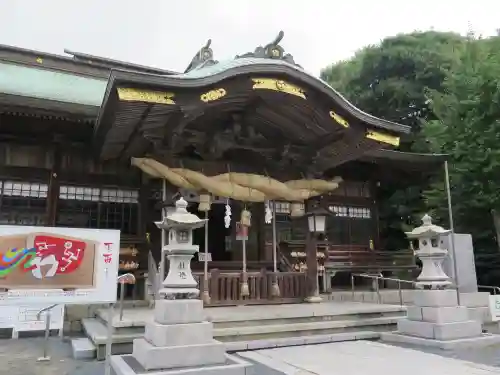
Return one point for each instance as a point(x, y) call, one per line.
point(225, 287)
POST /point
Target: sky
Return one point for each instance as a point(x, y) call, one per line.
point(167, 33)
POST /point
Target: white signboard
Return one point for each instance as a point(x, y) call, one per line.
point(45, 265)
point(27, 318)
point(24, 318)
point(8, 316)
point(495, 307)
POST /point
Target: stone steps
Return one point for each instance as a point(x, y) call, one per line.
point(279, 331)
point(84, 348)
point(306, 319)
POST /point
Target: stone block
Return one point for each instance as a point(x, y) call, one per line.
point(154, 358)
point(83, 348)
point(464, 262)
point(479, 299)
point(454, 331)
point(122, 365)
point(179, 334)
point(435, 298)
point(414, 313)
point(262, 344)
point(178, 311)
point(415, 328)
point(481, 314)
point(236, 346)
point(445, 314)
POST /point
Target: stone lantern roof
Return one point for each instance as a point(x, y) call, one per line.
point(180, 218)
point(427, 229)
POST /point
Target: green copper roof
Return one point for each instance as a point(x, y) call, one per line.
point(50, 85)
point(205, 71)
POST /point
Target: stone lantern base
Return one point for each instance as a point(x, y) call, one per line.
point(437, 320)
point(178, 341)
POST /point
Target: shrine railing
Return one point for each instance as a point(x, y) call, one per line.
point(224, 287)
point(356, 257)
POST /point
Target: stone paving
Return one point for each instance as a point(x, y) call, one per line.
point(368, 357)
point(489, 355)
point(19, 357)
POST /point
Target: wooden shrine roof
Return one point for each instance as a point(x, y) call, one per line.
point(259, 108)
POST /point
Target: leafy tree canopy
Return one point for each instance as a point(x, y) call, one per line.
point(467, 127)
point(391, 80)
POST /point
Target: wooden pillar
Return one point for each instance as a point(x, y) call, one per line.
point(143, 218)
point(53, 189)
point(375, 217)
point(260, 225)
point(312, 263)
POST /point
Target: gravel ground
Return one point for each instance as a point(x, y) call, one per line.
point(19, 357)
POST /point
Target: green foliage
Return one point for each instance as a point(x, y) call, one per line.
point(467, 127)
point(392, 81)
point(447, 88)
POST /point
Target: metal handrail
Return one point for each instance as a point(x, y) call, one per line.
point(495, 289)
point(377, 278)
point(45, 309)
point(126, 278)
point(45, 356)
point(384, 278)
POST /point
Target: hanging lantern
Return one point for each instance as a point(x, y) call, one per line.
point(205, 202)
point(297, 209)
point(246, 218)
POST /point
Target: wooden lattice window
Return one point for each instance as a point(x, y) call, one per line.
point(349, 225)
point(107, 208)
point(23, 203)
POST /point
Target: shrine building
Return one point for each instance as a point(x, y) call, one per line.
point(71, 125)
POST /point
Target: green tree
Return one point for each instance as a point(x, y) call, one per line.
point(467, 127)
point(391, 81)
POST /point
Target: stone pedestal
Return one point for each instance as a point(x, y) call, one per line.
point(437, 320)
point(178, 341)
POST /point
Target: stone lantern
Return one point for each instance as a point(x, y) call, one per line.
point(429, 251)
point(435, 317)
point(178, 340)
point(180, 283)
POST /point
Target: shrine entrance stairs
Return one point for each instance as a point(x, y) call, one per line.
point(259, 327)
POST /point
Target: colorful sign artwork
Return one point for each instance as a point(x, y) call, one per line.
point(76, 261)
point(41, 259)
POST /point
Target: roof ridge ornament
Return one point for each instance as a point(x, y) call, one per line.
point(272, 50)
point(204, 57)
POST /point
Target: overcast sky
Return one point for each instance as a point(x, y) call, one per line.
point(167, 33)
